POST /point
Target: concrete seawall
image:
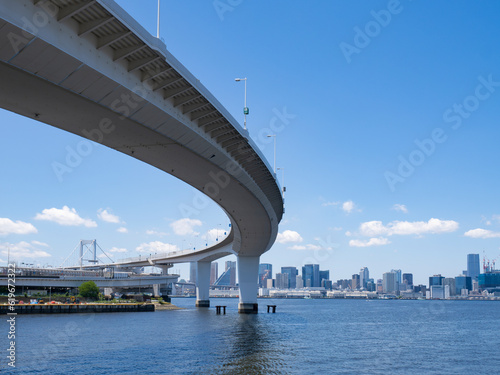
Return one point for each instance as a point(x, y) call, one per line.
point(76, 308)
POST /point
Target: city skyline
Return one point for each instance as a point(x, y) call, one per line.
point(372, 154)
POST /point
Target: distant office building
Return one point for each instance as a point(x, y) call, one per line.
point(371, 286)
point(270, 283)
point(292, 276)
point(310, 275)
point(281, 281)
point(214, 272)
point(389, 282)
point(408, 279)
point(450, 281)
point(327, 284)
point(231, 266)
point(435, 280)
point(463, 282)
point(399, 274)
point(440, 291)
point(379, 287)
point(228, 278)
point(344, 283)
point(193, 270)
point(489, 280)
point(323, 275)
point(355, 282)
point(299, 283)
point(473, 266)
point(475, 285)
point(419, 288)
point(265, 272)
point(364, 275)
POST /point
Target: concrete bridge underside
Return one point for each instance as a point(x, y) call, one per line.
point(87, 67)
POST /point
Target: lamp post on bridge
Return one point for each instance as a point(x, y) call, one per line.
point(158, 23)
point(246, 111)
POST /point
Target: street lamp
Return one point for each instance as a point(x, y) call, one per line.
point(274, 136)
point(245, 108)
point(158, 23)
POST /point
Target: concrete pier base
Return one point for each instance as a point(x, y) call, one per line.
point(203, 303)
point(248, 308)
point(203, 284)
point(248, 274)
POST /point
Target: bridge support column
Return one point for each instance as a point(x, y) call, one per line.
point(248, 274)
point(203, 284)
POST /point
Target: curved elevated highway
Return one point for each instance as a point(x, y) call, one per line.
point(87, 67)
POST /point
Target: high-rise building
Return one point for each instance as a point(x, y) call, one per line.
point(228, 278)
point(364, 275)
point(344, 283)
point(214, 272)
point(299, 283)
point(323, 275)
point(355, 282)
point(473, 267)
point(310, 275)
point(370, 285)
point(231, 266)
point(436, 280)
point(440, 292)
point(463, 282)
point(408, 279)
point(292, 273)
point(390, 282)
point(399, 278)
point(265, 273)
point(450, 281)
point(327, 284)
point(281, 281)
point(380, 286)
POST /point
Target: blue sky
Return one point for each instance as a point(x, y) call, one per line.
point(386, 115)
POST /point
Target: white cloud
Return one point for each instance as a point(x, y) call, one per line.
point(400, 207)
point(65, 216)
point(117, 250)
point(348, 206)
point(155, 233)
point(156, 247)
point(8, 226)
point(38, 243)
point(184, 227)
point(122, 230)
point(305, 247)
point(371, 242)
point(481, 233)
point(23, 250)
point(376, 228)
point(108, 217)
point(289, 236)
